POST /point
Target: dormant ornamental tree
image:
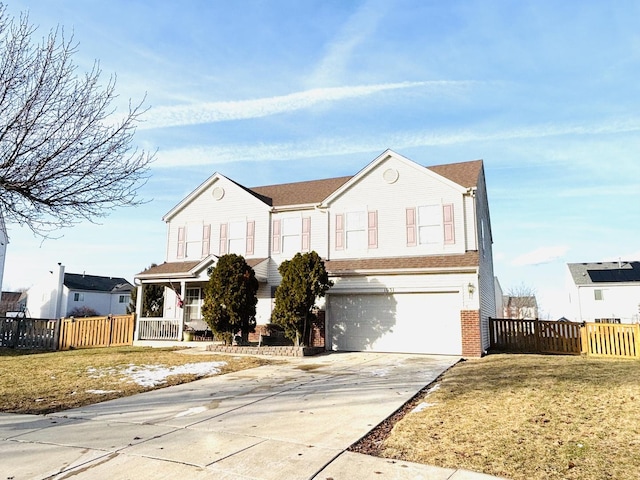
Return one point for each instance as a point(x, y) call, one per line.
point(64, 156)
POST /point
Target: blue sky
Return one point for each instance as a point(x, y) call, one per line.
point(545, 92)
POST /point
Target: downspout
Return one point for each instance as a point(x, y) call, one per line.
point(59, 291)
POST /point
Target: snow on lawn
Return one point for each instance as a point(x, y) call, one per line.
point(153, 375)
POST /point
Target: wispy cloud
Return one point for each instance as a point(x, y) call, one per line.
point(336, 146)
point(540, 256)
point(353, 33)
point(211, 112)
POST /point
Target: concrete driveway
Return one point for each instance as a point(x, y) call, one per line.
point(292, 420)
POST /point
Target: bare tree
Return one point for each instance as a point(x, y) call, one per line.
point(521, 302)
point(63, 156)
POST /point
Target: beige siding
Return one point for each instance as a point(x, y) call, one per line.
point(414, 187)
point(470, 228)
point(438, 282)
point(235, 205)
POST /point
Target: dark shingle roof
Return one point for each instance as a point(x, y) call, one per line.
point(76, 281)
point(465, 174)
point(469, 259)
point(605, 272)
point(175, 268)
point(300, 193)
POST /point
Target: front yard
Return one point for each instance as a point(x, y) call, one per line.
point(528, 417)
point(54, 381)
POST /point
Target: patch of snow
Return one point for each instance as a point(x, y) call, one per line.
point(101, 392)
point(422, 406)
point(153, 375)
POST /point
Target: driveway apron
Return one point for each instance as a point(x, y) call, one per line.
point(288, 420)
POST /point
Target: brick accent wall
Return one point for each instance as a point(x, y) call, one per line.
point(471, 333)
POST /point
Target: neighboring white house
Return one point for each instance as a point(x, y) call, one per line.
point(4, 241)
point(408, 247)
point(604, 291)
point(58, 294)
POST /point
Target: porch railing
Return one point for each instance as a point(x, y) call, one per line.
point(158, 329)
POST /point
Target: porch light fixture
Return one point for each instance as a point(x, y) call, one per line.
point(471, 288)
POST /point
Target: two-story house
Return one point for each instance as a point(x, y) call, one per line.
point(604, 291)
point(408, 247)
point(60, 294)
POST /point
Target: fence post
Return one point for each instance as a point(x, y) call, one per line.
point(636, 338)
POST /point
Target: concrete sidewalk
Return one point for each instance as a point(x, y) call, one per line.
point(284, 421)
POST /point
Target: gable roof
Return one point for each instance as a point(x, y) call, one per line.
point(605, 272)
point(300, 193)
point(314, 192)
point(462, 173)
point(76, 281)
point(465, 174)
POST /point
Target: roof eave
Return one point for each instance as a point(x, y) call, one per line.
point(402, 271)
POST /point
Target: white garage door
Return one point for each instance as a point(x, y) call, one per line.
point(400, 322)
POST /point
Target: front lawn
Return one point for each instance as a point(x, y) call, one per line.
point(33, 382)
point(528, 417)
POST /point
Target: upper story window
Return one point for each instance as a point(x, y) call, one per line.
point(123, 299)
point(356, 230)
point(291, 235)
point(430, 225)
point(598, 294)
point(194, 241)
point(237, 237)
point(78, 297)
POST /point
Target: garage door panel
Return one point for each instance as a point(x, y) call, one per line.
point(406, 322)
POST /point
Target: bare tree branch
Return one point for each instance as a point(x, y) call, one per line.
point(63, 157)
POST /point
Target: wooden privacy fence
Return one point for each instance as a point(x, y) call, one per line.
point(32, 333)
point(534, 336)
point(611, 340)
point(593, 339)
point(111, 331)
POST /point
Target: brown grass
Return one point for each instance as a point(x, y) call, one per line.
point(32, 382)
point(529, 417)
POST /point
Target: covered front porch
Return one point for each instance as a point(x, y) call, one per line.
point(179, 318)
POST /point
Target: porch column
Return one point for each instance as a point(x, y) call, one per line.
point(180, 310)
point(139, 294)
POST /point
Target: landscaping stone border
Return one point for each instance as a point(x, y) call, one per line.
point(274, 351)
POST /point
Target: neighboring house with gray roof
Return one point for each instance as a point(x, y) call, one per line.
point(409, 249)
point(604, 291)
point(58, 294)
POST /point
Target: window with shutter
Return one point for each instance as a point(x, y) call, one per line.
point(339, 232)
point(250, 237)
point(411, 227)
point(206, 240)
point(306, 234)
point(223, 239)
point(372, 229)
point(447, 222)
point(275, 236)
point(180, 253)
